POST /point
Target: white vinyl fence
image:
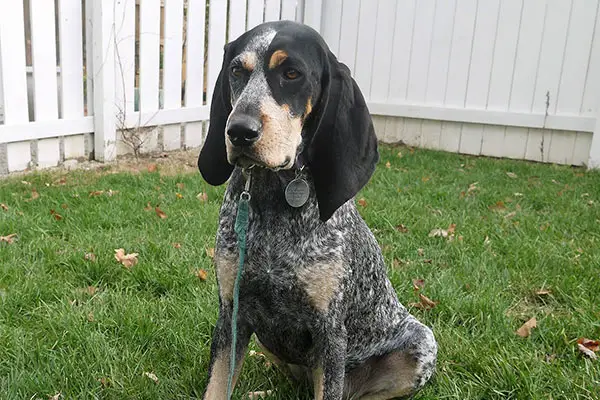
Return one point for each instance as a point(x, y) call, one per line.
point(508, 78)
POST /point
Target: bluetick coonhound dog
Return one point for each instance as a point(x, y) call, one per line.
point(314, 289)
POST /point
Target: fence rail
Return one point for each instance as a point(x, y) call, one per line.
point(510, 78)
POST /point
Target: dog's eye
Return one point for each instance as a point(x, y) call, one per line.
point(291, 74)
point(237, 71)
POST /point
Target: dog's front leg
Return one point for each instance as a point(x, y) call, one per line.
point(220, 354)
point(328, 377)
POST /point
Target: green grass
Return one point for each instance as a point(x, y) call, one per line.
point(158, 316)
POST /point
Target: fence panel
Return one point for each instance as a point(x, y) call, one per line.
point(71, 71)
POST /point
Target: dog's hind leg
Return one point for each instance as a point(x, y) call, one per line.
point(398, 373)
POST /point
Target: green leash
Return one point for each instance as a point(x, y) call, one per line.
point(241, 226)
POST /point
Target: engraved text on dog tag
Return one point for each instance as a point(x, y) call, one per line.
point(296, 192)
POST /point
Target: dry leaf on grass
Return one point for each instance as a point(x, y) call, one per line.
point(57, 396)
point(203, 197)
point(362, 202)
point(152, 376)
point(388, 165)
point(177, 245)
point(210, 251)
point(26, 183)
point(498, 206)
point(445, 233)
point(511, 175)
point(418, 284)
point(178, 196)
point(160, 213)
point(593, 345)
point(128, 260)
point(4, 206)
point(402, 228)
point(148, 207)
point(425, 303)
point(202, 274)
point(90, 317)
point(96, 193)
point(152, 167)
point(586, 352)
point(510, 215)
point(56, 215)
point(543, 292)
point(8, 239)
point(180, 185)
point(34, 195)
point(261, 394)
point(89, 257)
point(525, 329)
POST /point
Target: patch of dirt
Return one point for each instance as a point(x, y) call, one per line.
point(166, 163)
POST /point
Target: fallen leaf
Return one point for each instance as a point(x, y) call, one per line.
point(179, 195)
point(151, 376)
point(56, 215)
point(202, 274)
point(388, 165)
point(525, 329)
point(26, 183)
point(425, 303)
point(446, 233)
point(64, 206)
point(111, 192)
point(89, 257)
point(586, 352)
point(451, 229)
point(177, 245)
point(543, 292)
point(91, 290)
point(510, 215)
point(104, 381)
point(425, 178)
point(160, 213)
point(34, 195)
point(428, 261)
point(418, 284)
point(399, 155)
point(57, 396)
point(362, 202)
point(152, 167)
point(8, 239)
point(420, 252)
point(402, 228)
point(148, 207)
point(259, 394)
point(180, 185)
point(210, 251)
point(511, 175)
point(4, 206)
point(593, 345)
point(128, 260)
point(472, 187)
point(96, 193)
point(60, 182)
point(90, 317)
point(498, 206)
point(203, 197)
point(544, 226)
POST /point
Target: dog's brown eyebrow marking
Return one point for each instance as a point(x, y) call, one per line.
point(308, 107)
point(249, 60)
point(277, 58)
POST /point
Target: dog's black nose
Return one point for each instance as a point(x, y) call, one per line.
point(243, 130)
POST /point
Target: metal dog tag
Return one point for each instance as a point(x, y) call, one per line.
point(296, 192)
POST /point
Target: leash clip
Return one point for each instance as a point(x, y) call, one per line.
point(245, 195)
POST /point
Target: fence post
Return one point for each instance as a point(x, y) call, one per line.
point(594, 160)
point(103, 53)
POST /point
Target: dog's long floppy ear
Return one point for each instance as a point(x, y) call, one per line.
point(212, 160)
point(343, 150)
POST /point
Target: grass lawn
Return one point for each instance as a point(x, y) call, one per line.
point(526, 244)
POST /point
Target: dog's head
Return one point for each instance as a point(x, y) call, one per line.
point(281, 92)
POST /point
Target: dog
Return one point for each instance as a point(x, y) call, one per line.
point(314, 289)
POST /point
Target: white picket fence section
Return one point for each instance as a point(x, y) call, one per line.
point(507, 78)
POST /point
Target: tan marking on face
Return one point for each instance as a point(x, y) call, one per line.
point(277, 58)
point(249, 60)
point(217, 385)
point(226, 266)
point(321, 282)
point(318, 380)
point(281, 135)
point(308, 107)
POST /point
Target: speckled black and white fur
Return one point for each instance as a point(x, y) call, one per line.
point(314, 289)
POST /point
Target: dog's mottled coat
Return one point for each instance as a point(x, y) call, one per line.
point(314, 289)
